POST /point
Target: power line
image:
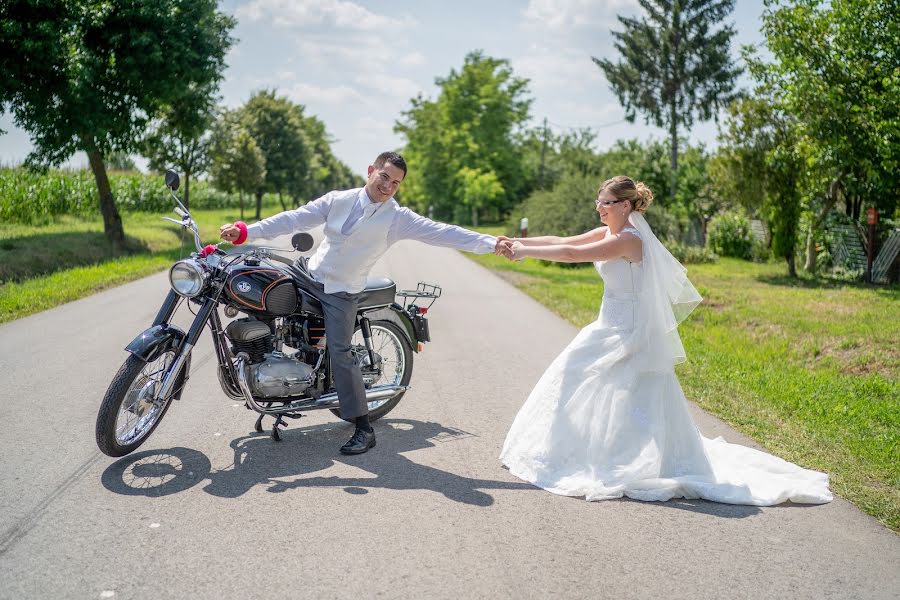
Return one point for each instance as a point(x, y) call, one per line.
point(587, 126)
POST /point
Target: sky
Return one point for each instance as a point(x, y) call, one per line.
point(356, 64)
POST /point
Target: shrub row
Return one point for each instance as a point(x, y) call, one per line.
point(568, 209)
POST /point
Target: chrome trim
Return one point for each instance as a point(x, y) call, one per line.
point(201, 270)
point(172, 375)
point(324, 401)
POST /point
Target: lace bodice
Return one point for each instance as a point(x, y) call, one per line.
point(621, 286)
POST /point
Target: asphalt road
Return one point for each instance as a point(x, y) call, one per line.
point(209, 509)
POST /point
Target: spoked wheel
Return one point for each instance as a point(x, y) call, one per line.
point(394, 362)
point(129, 413)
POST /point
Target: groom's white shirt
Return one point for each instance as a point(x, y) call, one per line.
point(358, 232)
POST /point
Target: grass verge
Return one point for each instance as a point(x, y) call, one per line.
point(45, 266)
point(809, 369)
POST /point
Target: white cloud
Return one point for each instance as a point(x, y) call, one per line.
point(413, 59)
point(556, 69)
point(318, 13)
point(389, 86)
point(561, 15)
point(308, 93)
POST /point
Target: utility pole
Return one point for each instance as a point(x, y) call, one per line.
point(543, 153)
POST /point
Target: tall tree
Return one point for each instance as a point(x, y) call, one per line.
point(326, 172)
point(236, 162)
point(83, 76)
point(762, 165)
point(674, 65)
point(276, 125)
point(180, 138)
point(835, 69)
point(474, 123)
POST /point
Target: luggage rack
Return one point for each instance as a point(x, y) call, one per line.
point(417, 313)
point(423, 290)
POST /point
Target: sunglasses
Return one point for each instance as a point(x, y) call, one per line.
point(598, 203)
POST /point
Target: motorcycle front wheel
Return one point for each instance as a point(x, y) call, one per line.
point(396, 354)
point(129, 413)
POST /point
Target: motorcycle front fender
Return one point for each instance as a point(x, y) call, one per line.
point(156, 340)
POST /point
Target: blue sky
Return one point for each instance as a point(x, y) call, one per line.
point(357, 64)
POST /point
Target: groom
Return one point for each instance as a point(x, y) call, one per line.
point(360, 225)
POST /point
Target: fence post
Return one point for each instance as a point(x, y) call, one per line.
point(872, 220)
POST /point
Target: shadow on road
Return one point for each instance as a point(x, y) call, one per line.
point(258, 460)
point(712, 509)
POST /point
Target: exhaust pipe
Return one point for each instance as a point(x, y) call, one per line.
point(381, 392)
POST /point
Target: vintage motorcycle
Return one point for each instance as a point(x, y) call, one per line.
point(274, 358)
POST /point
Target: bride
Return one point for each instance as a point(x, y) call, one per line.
point(608, 417)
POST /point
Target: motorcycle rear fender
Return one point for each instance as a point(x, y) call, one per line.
point(150, 344)
point(396, 315)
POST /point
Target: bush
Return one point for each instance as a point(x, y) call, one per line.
point(567, 209)
point(729, 234)
point(687, 254)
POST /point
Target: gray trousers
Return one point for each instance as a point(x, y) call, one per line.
point(339, 309)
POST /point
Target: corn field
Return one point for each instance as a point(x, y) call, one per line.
point(34, 198)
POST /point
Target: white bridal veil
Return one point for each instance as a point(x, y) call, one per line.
point(666, 298)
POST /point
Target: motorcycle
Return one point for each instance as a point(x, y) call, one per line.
point(274, 357)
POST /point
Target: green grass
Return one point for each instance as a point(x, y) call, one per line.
point(45, 266)
point(810, 369)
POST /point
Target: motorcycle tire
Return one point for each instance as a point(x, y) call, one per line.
point(399, 338)
point(108, 440)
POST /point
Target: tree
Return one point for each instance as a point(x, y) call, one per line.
point(236, 162)
point(834, 69)
point(480, 189)
point(276, 125)
point(326, 172)
point(82, 76)
point(762, 168)
point(474, 123)
point(674, 65)
point(180, 137)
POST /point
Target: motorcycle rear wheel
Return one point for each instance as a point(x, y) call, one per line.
point(128, 414)
point(387, 339)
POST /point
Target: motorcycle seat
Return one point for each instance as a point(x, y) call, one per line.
point(378, 293)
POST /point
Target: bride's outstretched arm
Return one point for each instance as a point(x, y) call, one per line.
point(608, 248)
point(594, 235)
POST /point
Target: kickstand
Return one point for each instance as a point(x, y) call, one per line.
point(279, 422)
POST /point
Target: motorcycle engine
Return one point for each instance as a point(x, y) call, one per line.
point(272, 374)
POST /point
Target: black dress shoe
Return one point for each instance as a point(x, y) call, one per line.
point(361, 441)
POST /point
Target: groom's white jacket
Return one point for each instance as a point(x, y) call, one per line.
point(343, 260)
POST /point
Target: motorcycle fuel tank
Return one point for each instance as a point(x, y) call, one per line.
point(260, 288)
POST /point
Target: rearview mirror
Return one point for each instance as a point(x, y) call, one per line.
point(302, 242)
point(172, 180)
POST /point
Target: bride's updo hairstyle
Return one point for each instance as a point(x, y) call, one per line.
point(625, 188)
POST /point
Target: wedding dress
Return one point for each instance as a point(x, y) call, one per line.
point(608, 418)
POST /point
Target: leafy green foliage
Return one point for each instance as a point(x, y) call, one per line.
point(179, 139)
point(674, 66)
point(762, 166)
point(237, 163)
point(471, 125)
point(729, 235)
point(295, 148)
point(79, 75)
point(835, 70)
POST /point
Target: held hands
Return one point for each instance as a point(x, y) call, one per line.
point(509, 248)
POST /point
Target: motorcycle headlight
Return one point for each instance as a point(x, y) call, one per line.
point(188, 278)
